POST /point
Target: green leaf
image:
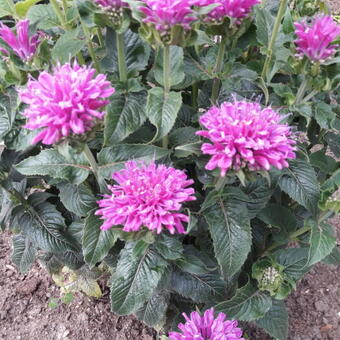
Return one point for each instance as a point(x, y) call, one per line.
point(24, 253)
point(113, 158)
point(44, 225)
point(248, 304)
point(198, 287)
point(322, 242)
point(153, 313)
point(294, 261)
point(22, 7)
point(137, 52)
point(8, 106)
point(300, 183)
point(125, 115)
point(162, 110)
point(6, 8)
point(72, 167)
point(325, 163)
point(67, 46)
point(333, 258)
point(169, 247)
point(230, 230)
point(275, 322)
point(78, 199)
point(176, 66)
point(324, 115)
point(333, 140)
point(43, 17)
point(96, 242)
point(135, 279)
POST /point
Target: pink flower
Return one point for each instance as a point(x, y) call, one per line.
point(22, 43)
point(147, 195)
point(164, 14)
point(207, 327)
point(314, 40)
point(245, 135)
point(66, 102)
point(111, 4)
point(237, 9)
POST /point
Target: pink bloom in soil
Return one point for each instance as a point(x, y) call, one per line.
point(245, 135)
point(147, 195)
point(314, 40)
point(207, 327)
point(236, 9)
point(66, 102)
point(164, 14)
point(23, 44)
point(111, 4)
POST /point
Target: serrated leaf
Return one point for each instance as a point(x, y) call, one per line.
point(169, 247)
point(162, 110)
point(113, 158)
point(300, 183)
point(135, 279)
point(322, 241)
point(176, 66)
point(275, 322)
point(24, 253)
point(77, 198)
point(333, 140)
point(324, 115)
point(125, 115)
point(42, 16)
point(248, 304)
point(51, 163)
point(230, 230)
point(97, 242)
point(325, 163)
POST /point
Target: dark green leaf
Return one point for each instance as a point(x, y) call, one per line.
point(325, 163)
point(324, 115)
point(162, 110)
point(231, 233)
point(275, 322)
point(248, 304)
point(333, 140)
point(97, 242)
point(43, 17)
point(24, 252)
point(333, 258)
point(169, 247)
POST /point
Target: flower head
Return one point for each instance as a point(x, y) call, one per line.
point(245, 135)
point(314, 40)
point(236, 9)
point(66, 102)
point(23, 44)
point(147, 195)
point(164, 14)
point(207, 327)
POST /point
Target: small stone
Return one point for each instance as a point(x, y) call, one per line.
point(326, 328)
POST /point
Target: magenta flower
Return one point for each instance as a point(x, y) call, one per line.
point(236, 9)
point(164, 14)
point(23, 44)
point(245, 135)
point(147, 195)
point(207, 327)
point(110, 4)
point(66, 102)
point(314, 40)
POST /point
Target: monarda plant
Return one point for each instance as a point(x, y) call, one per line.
point(186, 150)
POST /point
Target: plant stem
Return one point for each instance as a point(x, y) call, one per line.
point(100, 37)
point(121, 58)
point(166, 83)
point(301, 91)
point(279, 17)
point(89, 156)
point(221, 182)
point(218, 69)
point(194, 96)
point(59, 14)
point(309, 96)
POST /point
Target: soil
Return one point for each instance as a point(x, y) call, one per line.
point(25, 314)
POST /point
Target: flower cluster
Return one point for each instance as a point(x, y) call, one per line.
point(236, 9)
point(245, 135)
point(147, 195)
point(164, 14)
point(66, 102)
point(207, 327)
point(315, 40)
point(23, 44)
point(110, 4)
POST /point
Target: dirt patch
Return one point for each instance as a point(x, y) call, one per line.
point(314, 309)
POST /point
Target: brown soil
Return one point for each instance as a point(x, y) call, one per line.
point(314, 309)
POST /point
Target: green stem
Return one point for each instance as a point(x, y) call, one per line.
point(221, 182)
point(195, 96)
point(121, 58)
point(59, 14)
point(100, 37)
point(218, 69)
point(90, 45)
point(94, 166)
point(80, 58)
point(166, 83)
point(309, 96)
point(301, 91)
point(279, 17)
